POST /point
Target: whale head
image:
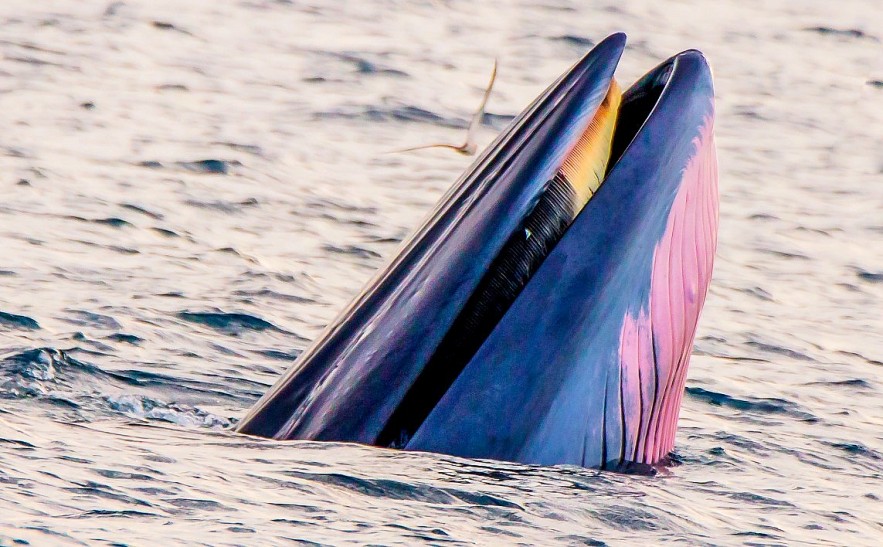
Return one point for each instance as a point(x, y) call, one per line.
point(545, 310)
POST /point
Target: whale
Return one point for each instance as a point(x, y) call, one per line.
point(545, 310)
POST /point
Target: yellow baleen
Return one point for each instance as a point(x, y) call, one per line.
point(585, 165)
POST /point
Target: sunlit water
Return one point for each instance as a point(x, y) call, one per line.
point(189, 192)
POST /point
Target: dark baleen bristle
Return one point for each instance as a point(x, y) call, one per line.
point(507, 276)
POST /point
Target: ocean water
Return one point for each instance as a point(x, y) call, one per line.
point(190, 191)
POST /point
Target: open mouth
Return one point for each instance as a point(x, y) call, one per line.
point(499, 329)
point(563, 197)
point(614, 125)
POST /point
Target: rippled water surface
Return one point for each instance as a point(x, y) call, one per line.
point(189, 192)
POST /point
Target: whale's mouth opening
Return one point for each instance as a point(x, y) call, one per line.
point(582, 173)
point(564, 195)
point(605, 140)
